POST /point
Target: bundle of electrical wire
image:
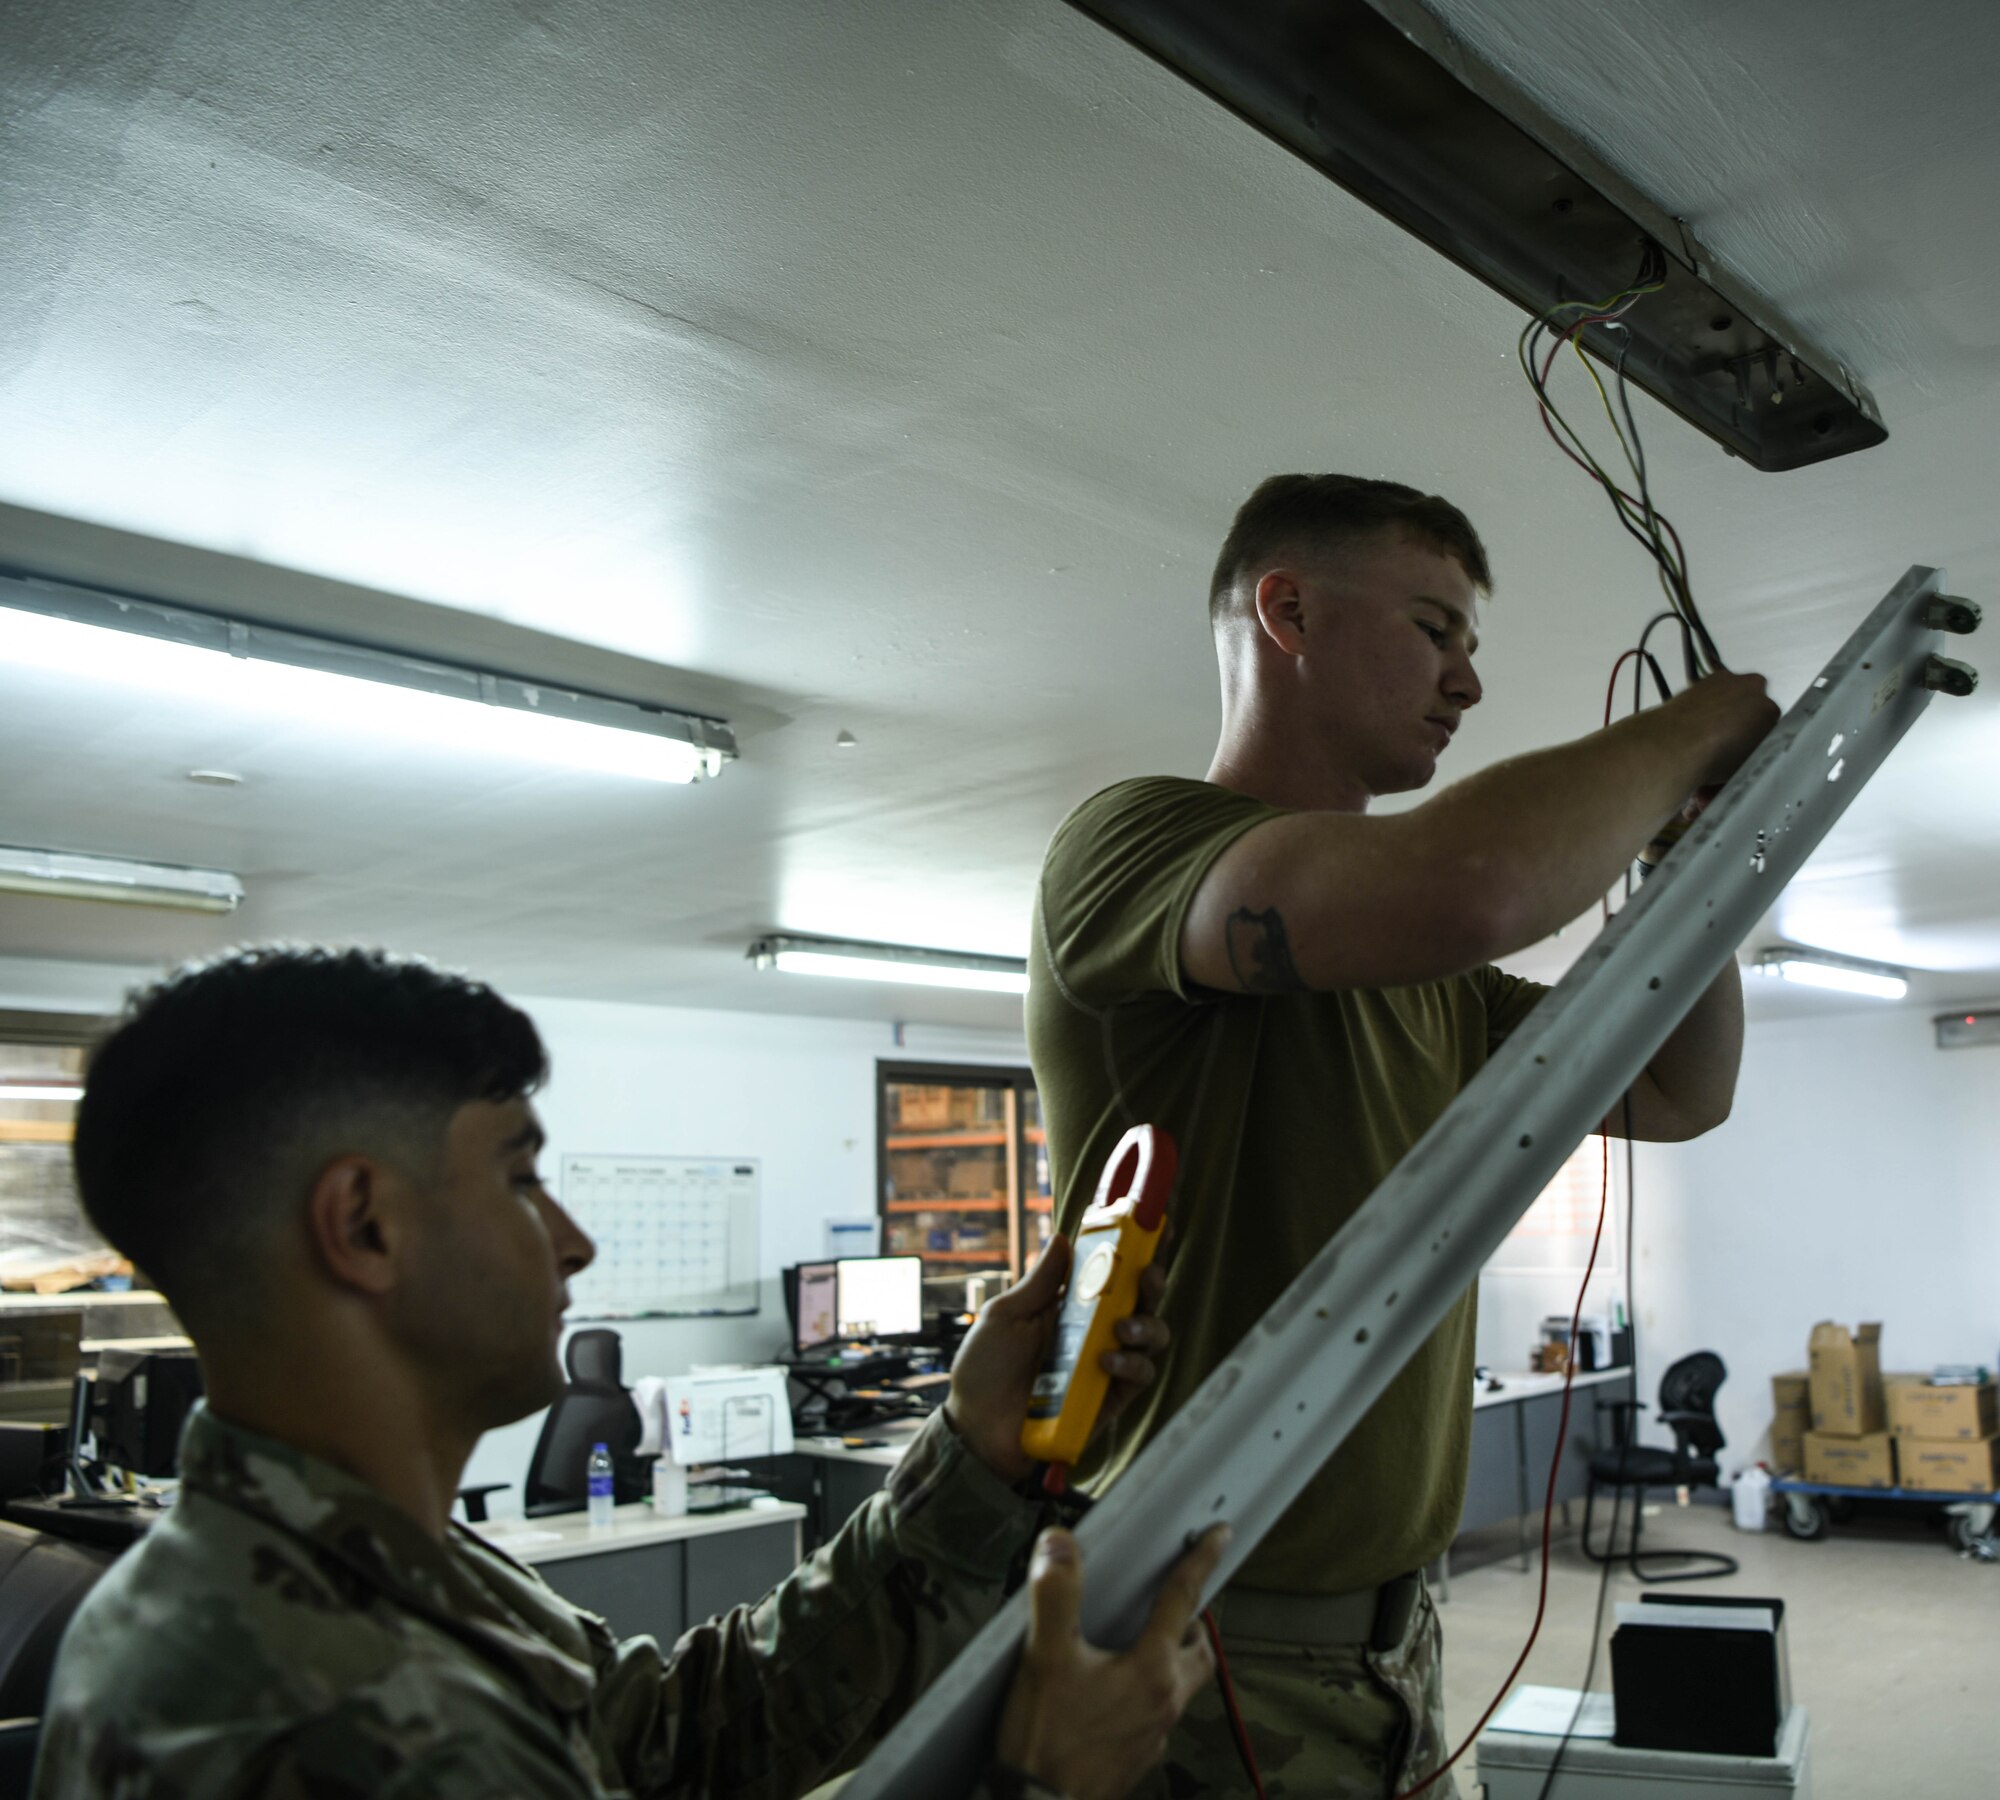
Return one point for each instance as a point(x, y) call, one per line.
point(1541, 342)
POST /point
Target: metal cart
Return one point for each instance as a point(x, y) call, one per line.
point(1809, 1507)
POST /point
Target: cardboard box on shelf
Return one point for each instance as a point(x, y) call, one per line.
point(1845, 1380)
point(1791, 1391)
point(1918, 1410)
point(1934, 1465)
point(1788, 1445)
point(1868, 1461)
point(978, 1178)
point(921, 1108)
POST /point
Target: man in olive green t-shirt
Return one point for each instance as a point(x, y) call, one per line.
point(1296, 990)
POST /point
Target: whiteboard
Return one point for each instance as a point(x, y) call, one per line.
point(676, 1236)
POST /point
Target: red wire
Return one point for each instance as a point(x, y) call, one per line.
point(1548, 1500)
point(1236, 1725)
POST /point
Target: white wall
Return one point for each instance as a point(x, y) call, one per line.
point(1857, 1179)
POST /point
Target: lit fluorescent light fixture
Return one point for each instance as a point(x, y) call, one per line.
point(891, 962)
point(239, 666)
point(1841, 974)
point(36, 1090)
point(59, 875)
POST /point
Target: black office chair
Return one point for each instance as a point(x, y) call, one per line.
point(595, 1408)
point(43, 1580)
point(1687, 1406)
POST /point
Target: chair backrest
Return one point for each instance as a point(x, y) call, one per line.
point(43, 1579)
point(594, 1408)
point(1689, 1387)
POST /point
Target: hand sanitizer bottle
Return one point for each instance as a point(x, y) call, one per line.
point(598, 1469)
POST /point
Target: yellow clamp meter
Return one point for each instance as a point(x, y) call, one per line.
point(1114, 1247)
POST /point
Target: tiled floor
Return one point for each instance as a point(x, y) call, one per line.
point(1895, 1642)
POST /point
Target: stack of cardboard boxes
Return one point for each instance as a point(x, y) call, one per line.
point(1791, 1419)
point(1849, 1444)
point(1947, 1438)
point(1845, 1423)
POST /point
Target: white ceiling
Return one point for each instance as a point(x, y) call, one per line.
point(891, 368)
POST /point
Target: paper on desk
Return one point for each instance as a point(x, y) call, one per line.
point(722, 1415)
point(1548, 1712)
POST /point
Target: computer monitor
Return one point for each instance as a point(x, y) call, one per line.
point(879, 1296)
point(141, 1401)
point(815, 1308)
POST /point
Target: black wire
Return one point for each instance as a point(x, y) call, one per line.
point(1646, 530)
point(1638, 454)
point(1687, 646)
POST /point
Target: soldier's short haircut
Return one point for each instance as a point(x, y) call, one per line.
point(1290, 514)
point(209, 1109)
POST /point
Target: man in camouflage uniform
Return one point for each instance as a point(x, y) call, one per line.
point(1297, 991)
point(327, 1161)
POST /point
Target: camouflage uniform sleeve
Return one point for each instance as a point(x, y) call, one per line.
point(771, 1699)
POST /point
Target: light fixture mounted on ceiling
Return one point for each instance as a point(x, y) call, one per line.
point(65, 875)
point(40, 1090)
point(1381, 98)
point(237, 663)
point(854, 961)
point(1841, 974)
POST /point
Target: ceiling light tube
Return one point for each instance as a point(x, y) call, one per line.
point(902, 963)
point(241, 666)
point(1840, 974)
point(37, 1090)
point(61, 875)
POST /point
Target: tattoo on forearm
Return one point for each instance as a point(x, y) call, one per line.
point(1260, 955)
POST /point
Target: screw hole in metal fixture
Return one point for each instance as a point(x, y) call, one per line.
point(1543, 1060)
point(1526, 1140)
point(1654, 983)
point(1721, 322)
point(1361, 1336)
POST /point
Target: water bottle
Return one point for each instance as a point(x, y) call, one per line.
point(598, 1469)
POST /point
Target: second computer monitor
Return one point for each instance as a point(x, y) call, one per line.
point(879, 1296)
point(816, 1314)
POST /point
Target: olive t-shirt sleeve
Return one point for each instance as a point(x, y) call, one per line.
point(1119, 877)
point(1509, 999)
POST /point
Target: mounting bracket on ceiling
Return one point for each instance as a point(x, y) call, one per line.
point(1394, 112)
point(1281, 1403)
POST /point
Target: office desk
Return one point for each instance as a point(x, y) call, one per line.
point(838, 1479)
point(643, 1573)
point(1513, 1438)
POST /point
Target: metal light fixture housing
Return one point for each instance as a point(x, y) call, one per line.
point(1828, 969)
point(66, 875)
point(88, 632)
point(851, 960)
